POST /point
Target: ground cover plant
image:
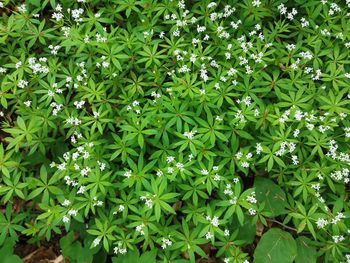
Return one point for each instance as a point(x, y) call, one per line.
point(175, 131)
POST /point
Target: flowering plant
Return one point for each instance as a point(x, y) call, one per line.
point(176, 131)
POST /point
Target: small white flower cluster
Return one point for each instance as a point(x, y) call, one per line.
point(304, 22)
point(76, 13)
point(284, 11)
point(22, 84)
point(347, 132)
point(290, 47)
point(282, 149)
point(101, 165)
point(166, 243)
point(37, 67)
point(284, 117)
point(240, 117)
point(134, 106)
point(81, 190)
point(321, 223)
point(245, 161)
point(119, 250)
point(337, 218)
point(259, 148)
point(96, 242)
point(170, 169)
point(73, 121)
point(85, 171)
point(184, 69)
point(306, 55)
point(338, 238)
point(317, 188)
point(148, 201)
point(66, 31)
point(22, 8)
point(213, 221)
point(189, 135)
point(314, 76)
point(3, 70)
point(128, 174)
point(340, 175)
point(120, 209)
point(252, 211)
point(79, 104)
point(97, 202)
point(71, 212)
point(104, 64)
point(209, 235)
point(228, 190)
point(256, 3)
point(295, 159)
point(101, 39)
point(251, 198)
point(155, 96)
point(342, 156)
point(333, 9)
point(140, 229)
point(54, 49)
point(58, 13)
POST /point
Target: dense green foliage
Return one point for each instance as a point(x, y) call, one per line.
point(173, 131)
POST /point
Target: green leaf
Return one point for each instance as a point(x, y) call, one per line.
point(306, 252)
point(275, 246)
point(148, 257)
point(6, 253)
point(270, 193)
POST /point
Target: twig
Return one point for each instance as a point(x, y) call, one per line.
point(30, 255)
point(59, 259)
point(281, 224)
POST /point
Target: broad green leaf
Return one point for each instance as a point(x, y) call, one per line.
point(306, 251)
point(275, 246)
point(270, 193)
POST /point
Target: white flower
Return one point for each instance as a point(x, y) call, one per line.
point(140, 229)
point(189, 134)
point(180, 166)
point(72, 212)
point(295, 159)
point(128, 174)
point(166, 242)
point(321, 223)
point(259, 148)
point(251, 198)
point(338, 239)
point(22, 8)
point(204, 171)
point(66, 202)
point(226, 232)
point(81, 190)
point(28, 103)
point(169, 159)
point(256, 3)
point(245, 164)
point(65, 219)
point(217, 177)
point(215, 221)
point(208, 235)
point(251, 211)
point(96, 242)
point(22, 84)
